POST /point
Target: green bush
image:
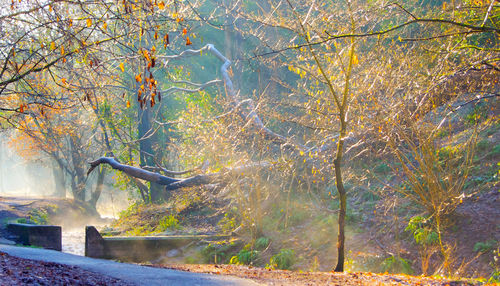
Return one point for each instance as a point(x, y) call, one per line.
point(168, 222)
point(261, 243)
point(21, 220)
point(220, 251)
point(396, 264)
point(39, 216)
point(283, 260)
point(246, 256)
point(485, 246)
point(422, 231)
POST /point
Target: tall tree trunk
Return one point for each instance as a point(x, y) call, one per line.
point(342, 195)
point(146, 148)
point(59, 183)
point(94, 197)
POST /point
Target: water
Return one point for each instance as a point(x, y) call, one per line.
point(74, 242)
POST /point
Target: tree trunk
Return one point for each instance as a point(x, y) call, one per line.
point(94, 197)
point(59, 183)
point(342, 194)
point(146, 148)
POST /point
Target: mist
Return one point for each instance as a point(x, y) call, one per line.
point(21, 178)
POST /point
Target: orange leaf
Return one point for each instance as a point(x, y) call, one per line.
point(62, 50)
point(89, 22)
point(188, 42)
point(52, 46)
point(63, 80)
point(184, 31)
point(161, 5)
point(153, 49)
point(128, 103)
point(146, 54)
point(138, 78)
point(105, 26)
point(156, 35)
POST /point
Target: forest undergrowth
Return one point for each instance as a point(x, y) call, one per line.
point(387, 231)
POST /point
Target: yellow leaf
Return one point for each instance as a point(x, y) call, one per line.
point(52, 46)
point(63, 80)
point(122, 67)
point(161, 5)
point(128, 103)
point(355, 60)
point(444, 5)
point(89, 22)
point(62, 50)
point(105, 26)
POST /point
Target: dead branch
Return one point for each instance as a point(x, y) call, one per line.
point(172, 183)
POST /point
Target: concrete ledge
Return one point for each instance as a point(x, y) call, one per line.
point(46, 236)
point(138, 248)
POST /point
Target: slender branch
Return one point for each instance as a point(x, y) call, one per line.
point(200, 87)
point(476, 29)
point(478, 98)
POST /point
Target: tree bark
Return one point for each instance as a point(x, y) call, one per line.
point(172, 183)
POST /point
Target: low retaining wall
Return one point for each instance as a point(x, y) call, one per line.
point(46, 236)
point(138, 248)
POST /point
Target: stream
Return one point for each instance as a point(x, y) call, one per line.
point(73, 241)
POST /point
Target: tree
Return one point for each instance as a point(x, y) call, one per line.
point(321, 51)
point(325, 78)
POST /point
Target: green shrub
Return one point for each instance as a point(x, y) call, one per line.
point(39, 216)
point(283, 260)
point(485, 246)
point(21, 220)
point(396, 264)
point(219, 251)
point(246, 256)
point(422, 231)
point(261, 243)
point(168, 222)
